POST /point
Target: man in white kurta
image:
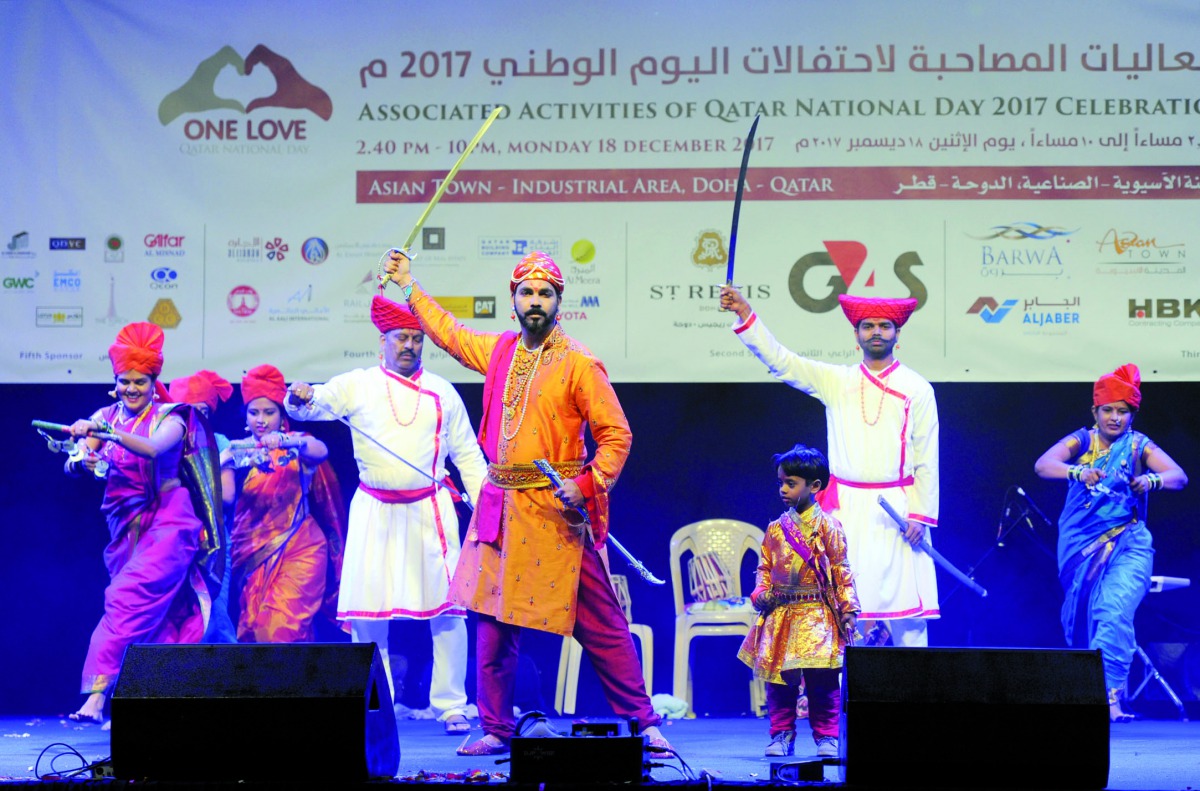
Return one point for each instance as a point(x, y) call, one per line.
point(402, 541)
point(882, 423)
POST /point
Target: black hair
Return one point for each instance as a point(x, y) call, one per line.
point(803, 462)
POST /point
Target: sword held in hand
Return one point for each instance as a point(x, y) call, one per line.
point(928, 549)
point(441, 190)
point(557, 482)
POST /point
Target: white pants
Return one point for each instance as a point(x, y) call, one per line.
point(909, 632)
point(448, 686)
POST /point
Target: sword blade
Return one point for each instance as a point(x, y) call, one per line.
point(928, 549)
point(441, 190)
point(737, 201)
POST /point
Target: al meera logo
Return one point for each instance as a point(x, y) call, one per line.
point(198, 95)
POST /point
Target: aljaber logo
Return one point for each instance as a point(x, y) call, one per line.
point(848, 259)
point(990, 311)
point(198, 95)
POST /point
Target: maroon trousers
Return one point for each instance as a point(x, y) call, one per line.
point(600, 627)
point(824, 701)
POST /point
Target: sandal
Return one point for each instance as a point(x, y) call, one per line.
point(457, 724)
point(483, 747)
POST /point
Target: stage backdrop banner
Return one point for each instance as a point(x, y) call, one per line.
point(1023, 169)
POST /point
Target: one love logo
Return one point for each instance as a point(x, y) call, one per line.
point(226, 81)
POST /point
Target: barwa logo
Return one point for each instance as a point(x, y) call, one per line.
point(258, 132)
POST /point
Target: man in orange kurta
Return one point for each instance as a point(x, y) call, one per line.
point(526, 562)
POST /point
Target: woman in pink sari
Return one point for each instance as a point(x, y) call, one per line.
point(288, 530)
point(161, 511)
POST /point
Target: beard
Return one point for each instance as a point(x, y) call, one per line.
point(537, 321)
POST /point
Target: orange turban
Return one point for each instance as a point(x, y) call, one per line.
point(264, 381)
point(537, 266)
point(896, 311)
point(138, 348)
point(202, 387)
point(1123, 384)
point(387, 315)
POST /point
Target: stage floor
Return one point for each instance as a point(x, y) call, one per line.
point(1148, 755)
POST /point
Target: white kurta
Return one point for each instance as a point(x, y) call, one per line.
point(882, 431)
point(400, 557)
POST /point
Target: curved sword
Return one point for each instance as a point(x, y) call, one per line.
point(928, 549)
point(463, 496)
point(441, 190)
point(557, 481)
point(737, 201)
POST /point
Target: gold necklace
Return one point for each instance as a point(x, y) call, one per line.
point(527, 368)
point(387, 382)
point(862, 398)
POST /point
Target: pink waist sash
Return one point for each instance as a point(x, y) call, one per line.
point(828, 497)
point(399, 496)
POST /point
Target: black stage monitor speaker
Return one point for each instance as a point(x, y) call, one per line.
point(577, 760)
point(299, 711)
point(974, 718)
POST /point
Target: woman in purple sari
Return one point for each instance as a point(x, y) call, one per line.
point(161, 511)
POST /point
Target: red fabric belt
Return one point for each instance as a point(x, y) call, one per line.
point(399, 496)
point(828, 497)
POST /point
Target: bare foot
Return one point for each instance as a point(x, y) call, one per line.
point(92, 709)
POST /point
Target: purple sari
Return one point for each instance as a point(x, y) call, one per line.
point(159, 548)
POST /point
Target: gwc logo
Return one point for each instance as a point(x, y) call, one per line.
point(20, 283)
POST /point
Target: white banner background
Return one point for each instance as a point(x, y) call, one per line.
point(1028, 170)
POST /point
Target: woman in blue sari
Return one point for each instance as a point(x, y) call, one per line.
point(1105, 552)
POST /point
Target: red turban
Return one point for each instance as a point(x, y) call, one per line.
point(138, 348)
point(1123, 384)
point(202, 387)
point(537, 266)
point(264, 381)
point(896, 311)
point(387, 315)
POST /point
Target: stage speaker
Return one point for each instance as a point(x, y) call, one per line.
point(296, 711)
point(974, 718)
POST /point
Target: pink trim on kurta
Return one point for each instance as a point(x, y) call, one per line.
point(828, 497)
point(398, 496)
point(740, 328)
point(400, 612)
point(929, 520)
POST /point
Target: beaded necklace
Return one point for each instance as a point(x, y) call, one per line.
point(129, 425)
point(387, 381)
point(527, 368)
point(862, 398)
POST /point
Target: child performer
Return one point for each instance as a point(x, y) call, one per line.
point(809, 607)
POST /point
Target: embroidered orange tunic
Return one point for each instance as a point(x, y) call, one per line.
point(520, 561)
point(804, 631)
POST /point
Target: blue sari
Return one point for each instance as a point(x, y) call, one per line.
point(1105, 552)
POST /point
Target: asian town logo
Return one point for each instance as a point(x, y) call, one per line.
point(1129, 245)
point(246, 126)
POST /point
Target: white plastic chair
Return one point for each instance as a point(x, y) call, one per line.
point(568, 658)
point(730, 540)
